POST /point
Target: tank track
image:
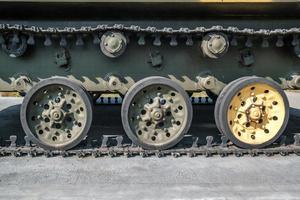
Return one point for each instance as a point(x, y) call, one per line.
point(188, 33)
point(113, 145)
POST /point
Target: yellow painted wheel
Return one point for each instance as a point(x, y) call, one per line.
point(254, 112)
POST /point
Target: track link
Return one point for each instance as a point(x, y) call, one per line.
point(188, 147)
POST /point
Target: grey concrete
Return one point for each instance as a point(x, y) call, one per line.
point(150, 178)
point(146, 178)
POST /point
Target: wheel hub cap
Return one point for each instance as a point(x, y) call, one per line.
point(255, 113)
point(57, 115)
point(157, 114)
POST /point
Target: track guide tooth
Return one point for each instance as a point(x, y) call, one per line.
point(173, 41)
point(189, 40)
point(47, 41)
point(295, 40)
point(265, 43)
point(13, 139)
point(141, 40)
point(280, 42)
point(30, 40)
point(157, 41)
point(79, 40)
point(96, 39)
point(234, 41)
point(249, 43)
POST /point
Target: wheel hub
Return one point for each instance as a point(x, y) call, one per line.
point(57, 114)
point(157, 114)
point(255, 113)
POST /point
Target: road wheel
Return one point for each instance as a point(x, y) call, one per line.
point(254, 112)
point(56, 114)
point(156, 113)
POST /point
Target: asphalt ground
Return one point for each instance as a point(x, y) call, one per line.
point(247, 177)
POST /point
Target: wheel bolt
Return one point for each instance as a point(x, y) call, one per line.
point(162, 101)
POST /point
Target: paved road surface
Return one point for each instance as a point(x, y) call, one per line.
point(150, 178)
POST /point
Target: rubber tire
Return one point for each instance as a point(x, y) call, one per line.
point(74, 86)
point(138, 86)
point(219, 100)
point(225, 103)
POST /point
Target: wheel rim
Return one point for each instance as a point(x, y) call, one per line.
point(158, 115)
point(256, 114)
point(57, 116)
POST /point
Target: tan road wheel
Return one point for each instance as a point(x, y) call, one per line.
point(56, 114)
point(254, 112)
point(156, 113)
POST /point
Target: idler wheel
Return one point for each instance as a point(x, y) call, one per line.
point(156, 113)
point(253, 112)
point(56, 114)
